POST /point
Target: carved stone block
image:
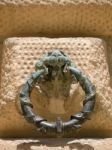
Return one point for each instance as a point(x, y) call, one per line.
point(19, 58)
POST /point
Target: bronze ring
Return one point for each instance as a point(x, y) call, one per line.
point(59, 126)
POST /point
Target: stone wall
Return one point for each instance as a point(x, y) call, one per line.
point(20, 56)
point(64, 18)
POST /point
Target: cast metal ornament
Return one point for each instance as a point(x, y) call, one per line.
point(52, 65)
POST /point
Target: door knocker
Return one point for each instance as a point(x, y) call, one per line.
point(51, 65)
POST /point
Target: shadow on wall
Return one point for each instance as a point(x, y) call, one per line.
point(49, 144)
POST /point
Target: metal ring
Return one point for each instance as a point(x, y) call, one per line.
point(76, 120)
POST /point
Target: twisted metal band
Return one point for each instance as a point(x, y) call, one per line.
point(76, 120)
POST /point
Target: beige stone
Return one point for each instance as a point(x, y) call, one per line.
point(54, 2)
point(20, 56)
point(57, 18)
point(56, 144)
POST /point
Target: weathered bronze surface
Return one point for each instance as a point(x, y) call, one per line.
point(54, 65)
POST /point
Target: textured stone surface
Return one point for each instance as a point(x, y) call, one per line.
point(56, 20)
point(56, 144)
point(20, 56)
point(49, 2)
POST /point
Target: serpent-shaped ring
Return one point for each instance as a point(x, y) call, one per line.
point(52, 61)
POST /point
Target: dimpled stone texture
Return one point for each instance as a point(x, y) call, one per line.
point(55, 20)
point(26, 2)
point(20, 56)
